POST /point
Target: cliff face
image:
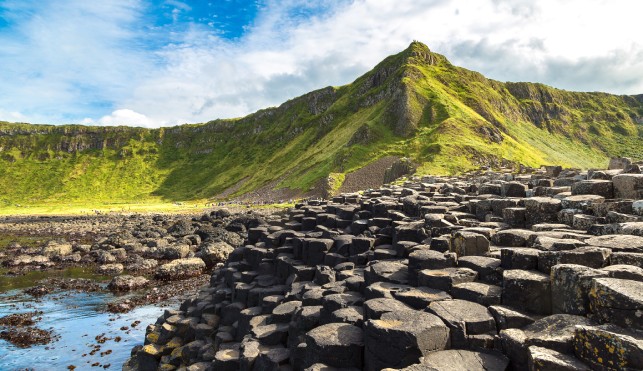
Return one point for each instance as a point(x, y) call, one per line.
point(415, 104)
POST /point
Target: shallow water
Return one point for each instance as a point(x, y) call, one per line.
point(29, 279)
point(76, 319)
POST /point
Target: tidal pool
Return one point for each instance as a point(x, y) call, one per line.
point(77, 319)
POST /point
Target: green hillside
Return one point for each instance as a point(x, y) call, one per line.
point(415, 104)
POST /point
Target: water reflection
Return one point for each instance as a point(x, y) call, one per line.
point(77, 319)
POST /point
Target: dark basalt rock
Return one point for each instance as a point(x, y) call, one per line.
point(486, 271)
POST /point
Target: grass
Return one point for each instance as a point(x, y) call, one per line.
point(414, 104)
point(185, 207)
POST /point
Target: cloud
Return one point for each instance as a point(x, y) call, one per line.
point(67, 58)
point(13, 116)
point(112, 63)
point(125, 117)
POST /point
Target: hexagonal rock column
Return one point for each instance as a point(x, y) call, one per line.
point(541, 210)
point(618, 301)
point(469, 243)
point(543, 359)
point(460, 359)
point(555, 332)
point(465, 319)
point(399, 339)
point(609, 346)
point(602, 188)
point(527, 290)
point(570, 288)
point(445, 279)
point(513, 189)
point(387, 271)
point(628, 186)
point(336, 345)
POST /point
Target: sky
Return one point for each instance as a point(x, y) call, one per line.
point(158, 63)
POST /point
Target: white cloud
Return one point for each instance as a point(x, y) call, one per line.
point(125, 117)
point(571, 44)
point(11, 116)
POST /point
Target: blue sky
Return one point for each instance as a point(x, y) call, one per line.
point(165, 62)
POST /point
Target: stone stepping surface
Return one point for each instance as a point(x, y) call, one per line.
point(540, 270)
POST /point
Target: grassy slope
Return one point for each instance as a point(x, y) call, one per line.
point(413, 104)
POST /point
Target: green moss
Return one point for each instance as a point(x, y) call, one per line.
point(414, 104)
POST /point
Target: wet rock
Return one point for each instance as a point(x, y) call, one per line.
point(110, 269)
point(127, 283)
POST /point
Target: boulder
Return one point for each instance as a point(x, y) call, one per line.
point(127, 283)
point(56, 250)
point(215, 252)
point(180, 269)
point(110, 269)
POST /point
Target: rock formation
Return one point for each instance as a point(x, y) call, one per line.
point(488, 271)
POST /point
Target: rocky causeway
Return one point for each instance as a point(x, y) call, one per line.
point(493, 270)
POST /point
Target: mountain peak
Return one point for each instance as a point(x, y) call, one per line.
point(419, 53)
point(418, 47)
